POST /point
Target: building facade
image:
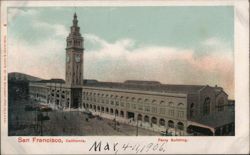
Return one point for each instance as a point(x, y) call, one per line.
point(174, 109)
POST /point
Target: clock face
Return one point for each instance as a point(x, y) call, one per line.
point(67, 58)
point(77, 58)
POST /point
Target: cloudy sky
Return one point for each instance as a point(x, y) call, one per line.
point(174, 45)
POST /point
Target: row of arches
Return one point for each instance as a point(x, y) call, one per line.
point(161, 121)
point(139, 117)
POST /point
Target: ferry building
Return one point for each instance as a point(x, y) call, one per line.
point(177, 109)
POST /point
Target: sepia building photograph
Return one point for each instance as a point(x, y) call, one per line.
point(126, 71)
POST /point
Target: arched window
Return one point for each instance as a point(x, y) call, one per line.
point(139, 100)
point(127, 99)
point(162, 103)
point(133, 99)
point(221, 104)
point(180, 104)
point(154, 102)
point(107, 110)
point(171, 104)
point(192, 105)
point(206, 106)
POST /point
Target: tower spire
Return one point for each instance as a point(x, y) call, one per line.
point(75, 21)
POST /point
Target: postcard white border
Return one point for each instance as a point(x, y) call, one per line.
point(208, 145)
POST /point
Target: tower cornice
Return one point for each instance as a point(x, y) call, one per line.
point(75, 48)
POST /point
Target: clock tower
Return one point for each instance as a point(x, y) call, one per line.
point(74, 55)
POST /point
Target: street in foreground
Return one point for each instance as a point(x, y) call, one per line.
point(27, 122)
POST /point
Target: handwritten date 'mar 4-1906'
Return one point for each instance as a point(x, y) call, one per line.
point(137, 148)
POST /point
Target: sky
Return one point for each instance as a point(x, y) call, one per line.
point(173, 45)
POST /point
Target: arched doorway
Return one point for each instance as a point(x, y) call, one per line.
point(116, 112)
point(121, 113)
point(139, 117)
point(171, 124)
point(180, 126)
point(154, 120)
point(146, 119)
point(107, 110)
point(162, 122)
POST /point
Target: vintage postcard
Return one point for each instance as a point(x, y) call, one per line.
point(124, 77)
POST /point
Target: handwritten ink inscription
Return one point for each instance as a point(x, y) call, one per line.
point(127, 147)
